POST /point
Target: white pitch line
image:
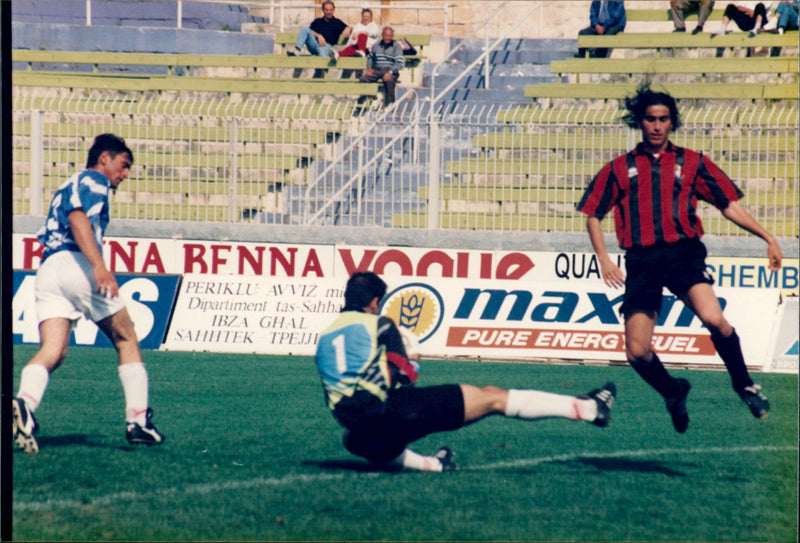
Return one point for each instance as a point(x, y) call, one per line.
point(198, 489)
point(211, 488)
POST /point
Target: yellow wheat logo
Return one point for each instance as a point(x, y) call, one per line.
point(411, 311)
point(416, 307)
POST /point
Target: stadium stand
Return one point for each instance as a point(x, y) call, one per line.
point(217, 171)
point(671, 42)
point(576, 67)
point(772, 78)
point(174, 64)
point(529, 175)
point(135, 13)
point(769, 92)
point(509, 178)
point(513, 64)
point(418, 41)
point(180, 72)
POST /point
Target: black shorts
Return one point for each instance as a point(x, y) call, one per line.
point(677, 266)
point(409, 414)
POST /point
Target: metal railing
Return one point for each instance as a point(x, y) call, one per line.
point(252, 161)
point(326, 194)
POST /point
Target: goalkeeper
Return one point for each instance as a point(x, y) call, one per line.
point(368, 379)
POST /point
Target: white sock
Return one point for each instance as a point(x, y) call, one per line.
point(721, 29)
point(411, 460)
point(535, 404)
point(134, 385)
point(32, 384)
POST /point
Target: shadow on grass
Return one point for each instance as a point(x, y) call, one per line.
point(80, 440)
point(627, 464)
point(350, 465)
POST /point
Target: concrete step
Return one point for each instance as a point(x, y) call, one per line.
point(135, 13)
point(495, 82)
point(394, 176)
point(516, 57)
point(497, 70)
point(71, 37)
point(519, 51)
point(500, 75)
point(508, 95)
point(520, 44)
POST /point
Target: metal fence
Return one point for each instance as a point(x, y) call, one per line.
point(478, 168)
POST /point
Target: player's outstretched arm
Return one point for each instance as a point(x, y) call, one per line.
point(740, 216)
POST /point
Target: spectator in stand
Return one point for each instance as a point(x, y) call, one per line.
point(786, 17)
point(605, 19)
point(363, 36)
point(384, 63)
point(747, 16)
point(678, 7)
point(322, 34)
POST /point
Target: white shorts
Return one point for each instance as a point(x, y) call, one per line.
point(66, 288)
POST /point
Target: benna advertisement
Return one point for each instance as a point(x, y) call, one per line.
point(179, 256)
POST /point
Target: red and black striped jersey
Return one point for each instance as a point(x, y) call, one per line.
point(655, 199)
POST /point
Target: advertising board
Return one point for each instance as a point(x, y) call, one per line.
point(476, 318)
point(149, 300)
point(179, 256)
point(276, 298)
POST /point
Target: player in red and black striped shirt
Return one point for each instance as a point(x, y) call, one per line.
point(653, 192)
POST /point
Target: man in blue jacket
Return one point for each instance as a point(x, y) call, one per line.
point(605, 19)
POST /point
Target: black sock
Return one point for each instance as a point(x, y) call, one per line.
point(730, 351)
point(655, 375)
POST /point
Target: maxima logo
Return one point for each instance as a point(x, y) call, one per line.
point(416, 306)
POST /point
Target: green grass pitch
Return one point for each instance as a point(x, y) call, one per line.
point(253, 454)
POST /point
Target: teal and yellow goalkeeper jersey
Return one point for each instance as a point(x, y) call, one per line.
point(362, 353)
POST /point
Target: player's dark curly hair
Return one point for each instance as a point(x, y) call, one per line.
point(645, 97)
point(106, 142)
point(361, 288)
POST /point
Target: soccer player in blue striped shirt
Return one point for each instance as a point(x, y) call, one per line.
point(72, 281)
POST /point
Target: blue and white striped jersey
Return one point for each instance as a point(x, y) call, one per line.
point(86, 190)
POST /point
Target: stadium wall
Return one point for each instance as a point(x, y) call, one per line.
point(267, 297)
point(455, 239)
